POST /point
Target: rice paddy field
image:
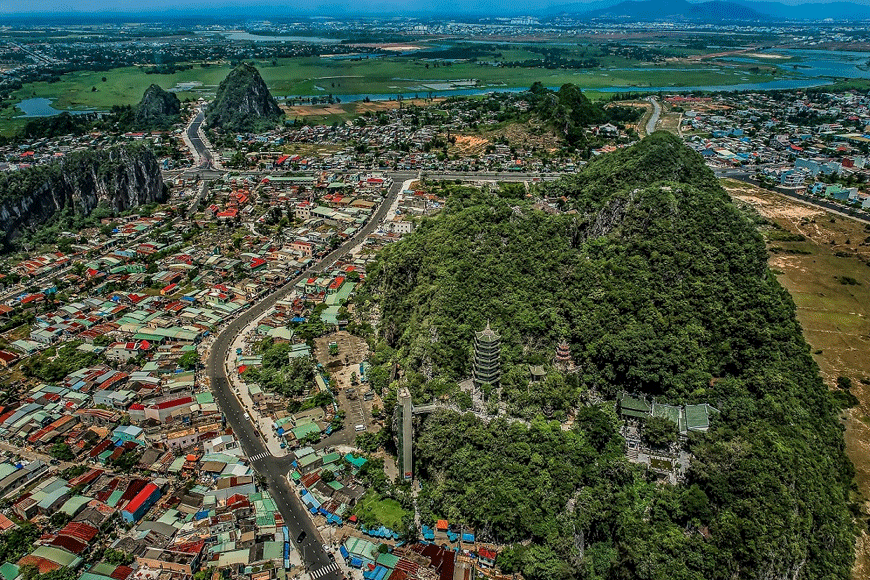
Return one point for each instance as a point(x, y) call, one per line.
point(376, 77)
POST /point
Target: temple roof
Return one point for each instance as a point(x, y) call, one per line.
point(487, 334)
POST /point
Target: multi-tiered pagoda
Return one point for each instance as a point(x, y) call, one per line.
point(563, 355)
point(487, 357)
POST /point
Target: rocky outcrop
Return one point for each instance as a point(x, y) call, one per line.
point(243, 102)
point(120, 178)
point(157, 109)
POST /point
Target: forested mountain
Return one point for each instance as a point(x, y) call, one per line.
point(243, 102)
point(120, 178)
point(157, 109)
point(567, 110)
point(713, 11)
point(661, 287)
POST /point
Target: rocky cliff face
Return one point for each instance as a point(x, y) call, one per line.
point(121, 177)
point(158, 108)
point(243, 102)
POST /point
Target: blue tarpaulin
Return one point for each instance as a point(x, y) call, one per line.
point(201, 515)
point(381, 532)
point(355, 563)
point(469, 538)
point(379, 573)
point(344, 553)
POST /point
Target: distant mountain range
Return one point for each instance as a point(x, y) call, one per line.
point(618, 10)
point(715, 10)
point(712, 11)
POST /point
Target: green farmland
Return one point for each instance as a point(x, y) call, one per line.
point(320, 76)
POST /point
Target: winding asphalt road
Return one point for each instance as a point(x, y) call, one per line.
point(275, 469)
point(196, 140)
point(654, 118)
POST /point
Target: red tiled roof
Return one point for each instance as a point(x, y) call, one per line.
point(141, 498)
point(173, 403)
point(80, 530)
point(7, 356)
point(121, 573)
point(488, 554)
point(99, 448)
point(86, 478)
point(43, 566)
point(187, 547)
point(70, 544)
point(6, 523)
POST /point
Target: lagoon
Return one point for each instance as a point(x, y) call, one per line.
point(41, 107)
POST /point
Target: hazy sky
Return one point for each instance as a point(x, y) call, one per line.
point(262, 9)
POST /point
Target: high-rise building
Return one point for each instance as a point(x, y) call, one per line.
point(487, 357)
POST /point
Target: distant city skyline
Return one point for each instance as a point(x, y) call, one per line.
point(263, 9)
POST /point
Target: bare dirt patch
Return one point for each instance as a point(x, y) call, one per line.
point(353, 109)
point(470, 144)
point(343, 365)
point(773, 209)
point(528, 136)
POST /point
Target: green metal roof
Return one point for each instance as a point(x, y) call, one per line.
point(102, 568)
point(301, 431)
point(273, 550)
point(92, 576)
point(356, 461)
point(331, 458)
point(698, 416)
point(8, 571)
point(308, 459)
point(115, 497)
point(72, 506)
point(388, 560)
point(57, 556)
point(629, 405)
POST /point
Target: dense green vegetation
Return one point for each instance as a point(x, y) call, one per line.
point(567, 110)
point(52, 365)
point(62, 451)
point(243, 102)
point(18, 542)
point(660, 285)
point(374, 511)
point(65, 192)
point(280, 374)
point(63, 124)
point(158, 109)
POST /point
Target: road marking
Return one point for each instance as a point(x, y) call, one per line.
point(259, 456)
point(324, 571)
